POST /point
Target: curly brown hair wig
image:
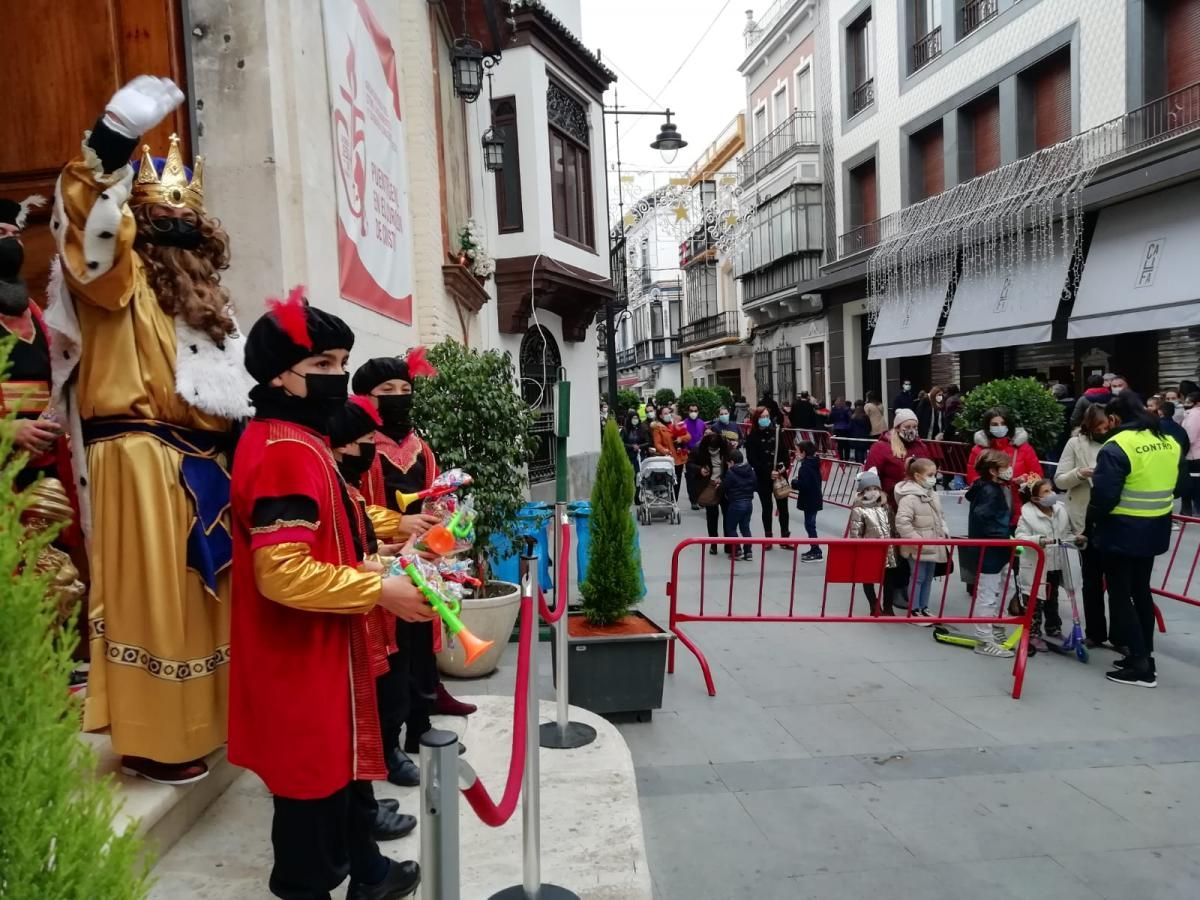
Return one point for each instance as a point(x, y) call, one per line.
point(188, 282)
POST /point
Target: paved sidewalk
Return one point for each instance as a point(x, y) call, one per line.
point(868, 761)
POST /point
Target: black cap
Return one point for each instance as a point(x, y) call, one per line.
point(290, 331)
point(375, 372)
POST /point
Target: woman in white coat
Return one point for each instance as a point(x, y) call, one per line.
point(1074, 475)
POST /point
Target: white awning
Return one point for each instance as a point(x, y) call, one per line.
point(1008, 306)
point(906, 324)
point(1143, 268)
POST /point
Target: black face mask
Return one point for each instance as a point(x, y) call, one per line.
point(176, 233)
point(396, 412)
point(327, 391)
point(353, 468)
point(315, 411)
point(12, 257)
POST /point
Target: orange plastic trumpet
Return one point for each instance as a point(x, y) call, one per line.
point(448, 608)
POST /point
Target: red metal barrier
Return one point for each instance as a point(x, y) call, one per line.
point(1169, 587)
point(847, 562)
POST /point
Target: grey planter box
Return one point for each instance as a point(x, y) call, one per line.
point(620, 673)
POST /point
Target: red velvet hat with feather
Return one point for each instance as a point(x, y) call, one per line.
point(375, 372)
point(290, 331)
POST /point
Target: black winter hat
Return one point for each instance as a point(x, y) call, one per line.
point(290, 331)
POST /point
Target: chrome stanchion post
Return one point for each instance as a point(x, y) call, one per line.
point(531, 887)
point(563, 734)
point(439, 822)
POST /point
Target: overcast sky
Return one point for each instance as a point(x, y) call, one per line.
point(644, 42)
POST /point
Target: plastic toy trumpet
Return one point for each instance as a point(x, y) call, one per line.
point(446, 607)
point(443, 539)
point(447, 483)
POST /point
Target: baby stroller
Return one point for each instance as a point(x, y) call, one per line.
point(656, 491)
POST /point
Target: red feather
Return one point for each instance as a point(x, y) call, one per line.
point(292, 316)
point(418, 365)
point(365, 404)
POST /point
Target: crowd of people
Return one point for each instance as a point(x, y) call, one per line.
point(1104, 491)
point(236, 507)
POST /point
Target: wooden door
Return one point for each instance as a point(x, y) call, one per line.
point(74, 56)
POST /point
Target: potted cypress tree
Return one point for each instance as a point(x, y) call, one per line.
point(618, 656)
point(56, 837)
point(474, 418)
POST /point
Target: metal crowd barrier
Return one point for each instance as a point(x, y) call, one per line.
point(851, 562)
point(1180, 584)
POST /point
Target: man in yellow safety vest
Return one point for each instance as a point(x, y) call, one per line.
point(1138, 473)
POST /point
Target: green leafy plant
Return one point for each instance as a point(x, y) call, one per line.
point(627, 400)
point(725, 396)
point(708, 400)
point(613, 582)
point(1027, 402)
point(56, 837)
point(473, 417)
point(664, 397)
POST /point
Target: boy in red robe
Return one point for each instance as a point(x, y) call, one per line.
point(405, 462)
point(302, 689)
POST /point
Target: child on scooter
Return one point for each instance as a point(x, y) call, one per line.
point(1045, 520)
point(871, 517)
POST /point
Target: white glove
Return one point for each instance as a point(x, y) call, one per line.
point(140, 105)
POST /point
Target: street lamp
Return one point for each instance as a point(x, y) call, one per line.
point(466, 63)
point(493, 149)
point(669, 141)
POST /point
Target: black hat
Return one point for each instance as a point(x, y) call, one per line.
point(354, 421)
point(375, 372)
point(290, 331)
point(14, 212)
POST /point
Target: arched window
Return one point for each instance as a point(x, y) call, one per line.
point(541, 363)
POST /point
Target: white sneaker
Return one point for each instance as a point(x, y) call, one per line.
point(988, 648)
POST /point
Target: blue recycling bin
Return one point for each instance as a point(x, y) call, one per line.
point(533, 521)
point(581, 512)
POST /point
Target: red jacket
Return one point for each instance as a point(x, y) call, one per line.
point(302, 709)
point(1022, 454)
point(892, 468)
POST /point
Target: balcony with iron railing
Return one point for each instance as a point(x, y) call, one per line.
point(1151, 125)
point(654, 348)
point(975, 13)
point(797, 132)
point(626, 358)
point(927, 49)
point(710, 328)
point(863, 97)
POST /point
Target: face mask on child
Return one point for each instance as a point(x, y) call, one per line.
point(724, 417)
point(999, 431)
point(1046, 502)
point(871, 496)
point(692, 414)
point(764, 423)
point(927, 481)
point(1005, 474)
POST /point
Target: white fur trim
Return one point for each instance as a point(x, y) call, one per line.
point(65, 348)
point(93, 162)
point(213, 379)
point(58, 220)
point(104, 218)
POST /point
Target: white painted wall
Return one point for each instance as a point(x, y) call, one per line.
point(269, 169)
point(1101, 75)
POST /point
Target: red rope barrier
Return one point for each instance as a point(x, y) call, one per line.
point(490, 813)
point(560, 586)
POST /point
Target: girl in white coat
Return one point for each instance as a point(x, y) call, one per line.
point(1045, 520)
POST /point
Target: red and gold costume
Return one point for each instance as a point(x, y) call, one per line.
point(302, 700)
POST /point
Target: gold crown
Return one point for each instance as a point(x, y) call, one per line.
point(172, 187)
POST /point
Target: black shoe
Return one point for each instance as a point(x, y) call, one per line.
point(1146, 678)
point(390, 826)
point(812, 556)
point(1128, 662)
point(712, 550)
point(401, 881)
point(402, 771)
point(391, 804)
point(695, 506)
point(748, 556)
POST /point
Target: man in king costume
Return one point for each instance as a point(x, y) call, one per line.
point(148, 360)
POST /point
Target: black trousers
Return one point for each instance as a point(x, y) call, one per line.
point(1095, 623)
point(1190, 504)
point(1130, 601)
point(393, 697)
point(1047, 606)
point(770, 503)
point(415, 642)
point(317, 843)
point(713, 515)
